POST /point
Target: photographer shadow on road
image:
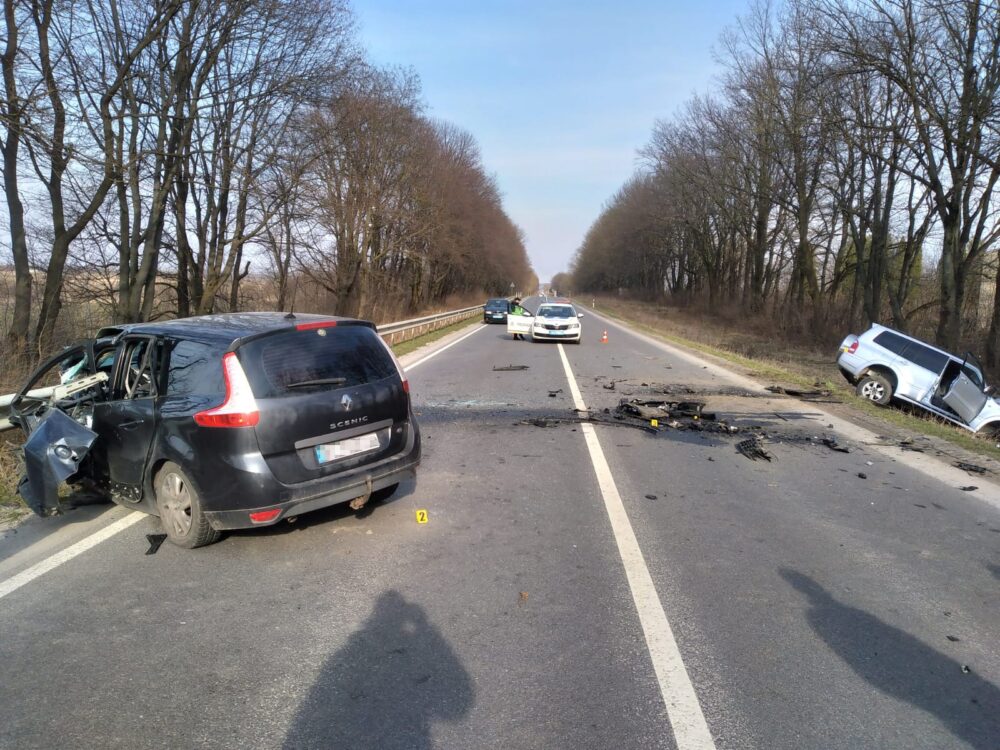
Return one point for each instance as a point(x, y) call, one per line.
point(897, 664)
point(386, 686)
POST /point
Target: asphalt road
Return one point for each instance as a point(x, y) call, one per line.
point(803, 605)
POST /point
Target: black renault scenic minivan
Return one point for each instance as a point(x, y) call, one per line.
point(221, 421)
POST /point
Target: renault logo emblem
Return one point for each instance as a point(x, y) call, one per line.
point(347, 402)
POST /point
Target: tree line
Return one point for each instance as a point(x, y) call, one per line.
point(843, 171)
point(162, 156)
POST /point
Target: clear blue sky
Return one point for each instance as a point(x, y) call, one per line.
point(560, 94)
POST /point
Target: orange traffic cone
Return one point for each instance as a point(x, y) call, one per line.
point(604, 337)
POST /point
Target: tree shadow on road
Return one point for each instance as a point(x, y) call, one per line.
point(899, 665)
point(386, 686)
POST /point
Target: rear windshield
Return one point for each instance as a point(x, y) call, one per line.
point(496, 304)
point(315, 359)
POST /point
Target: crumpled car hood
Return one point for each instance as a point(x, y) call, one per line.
point(52, 454)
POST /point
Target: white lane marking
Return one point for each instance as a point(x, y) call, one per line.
point(444, 348)
point(683, 709)
point(54, 561)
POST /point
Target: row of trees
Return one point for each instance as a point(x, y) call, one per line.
point(850, 154)
point(160, 155)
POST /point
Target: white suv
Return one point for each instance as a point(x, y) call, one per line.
point(884, 364)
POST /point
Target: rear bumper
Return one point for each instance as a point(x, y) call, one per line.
point(266, 493)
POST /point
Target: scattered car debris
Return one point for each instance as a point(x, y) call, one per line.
point(971, 468)
point(969, 488)
point(952, 638)
point(155, 540)
point(753, 449)
point(833, 445)
point(650, 497)
point(509, 368)
point(553, 394)
point(862, 475)
point(656, 409)
point(806, 395)
point(965, 669)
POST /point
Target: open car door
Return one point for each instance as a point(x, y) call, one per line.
point(519, 324)
point(965, 396)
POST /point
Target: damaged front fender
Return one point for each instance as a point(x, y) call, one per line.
point(53, 453)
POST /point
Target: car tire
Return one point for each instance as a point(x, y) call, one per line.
point(875, 388)
point(179, 506)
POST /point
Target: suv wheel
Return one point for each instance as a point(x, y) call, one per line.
point(180, 509)
point(875, 388)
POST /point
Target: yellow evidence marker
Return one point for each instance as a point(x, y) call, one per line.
point(421, 516)
point(654, 423)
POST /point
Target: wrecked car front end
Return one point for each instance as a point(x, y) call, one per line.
point(55, 410)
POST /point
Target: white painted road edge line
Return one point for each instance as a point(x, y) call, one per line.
point(54, 561)
point(444, 348)
point(683, 709)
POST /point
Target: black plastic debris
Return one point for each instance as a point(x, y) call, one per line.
point(971, 468)
point(553, 394)
point(952, 638)
point(509, 368)
point(155, 540)
point(965, 669)
point(833, 445)
point(753, 449)
point(650, 497)
point(862, 475)
point(969, 488)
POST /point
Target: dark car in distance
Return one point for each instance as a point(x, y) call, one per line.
point(221, 421)
point(495, 310)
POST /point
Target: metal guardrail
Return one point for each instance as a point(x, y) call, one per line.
point(393, 333)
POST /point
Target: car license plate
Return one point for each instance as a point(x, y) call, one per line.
point(556, 333)
point(349, 447)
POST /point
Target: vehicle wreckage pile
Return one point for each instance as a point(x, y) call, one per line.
point(665, 416)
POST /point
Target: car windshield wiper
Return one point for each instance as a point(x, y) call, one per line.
point(318, 381)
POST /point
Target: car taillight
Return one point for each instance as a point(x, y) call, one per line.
point(240, 407)
point(399, 368)
point(264, 516)
point(853, 347)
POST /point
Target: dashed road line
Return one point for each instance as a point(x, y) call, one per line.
point(683, 709)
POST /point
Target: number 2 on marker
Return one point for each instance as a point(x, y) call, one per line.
point(421, 516)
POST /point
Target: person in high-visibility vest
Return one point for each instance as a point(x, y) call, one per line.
point(516, 309)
